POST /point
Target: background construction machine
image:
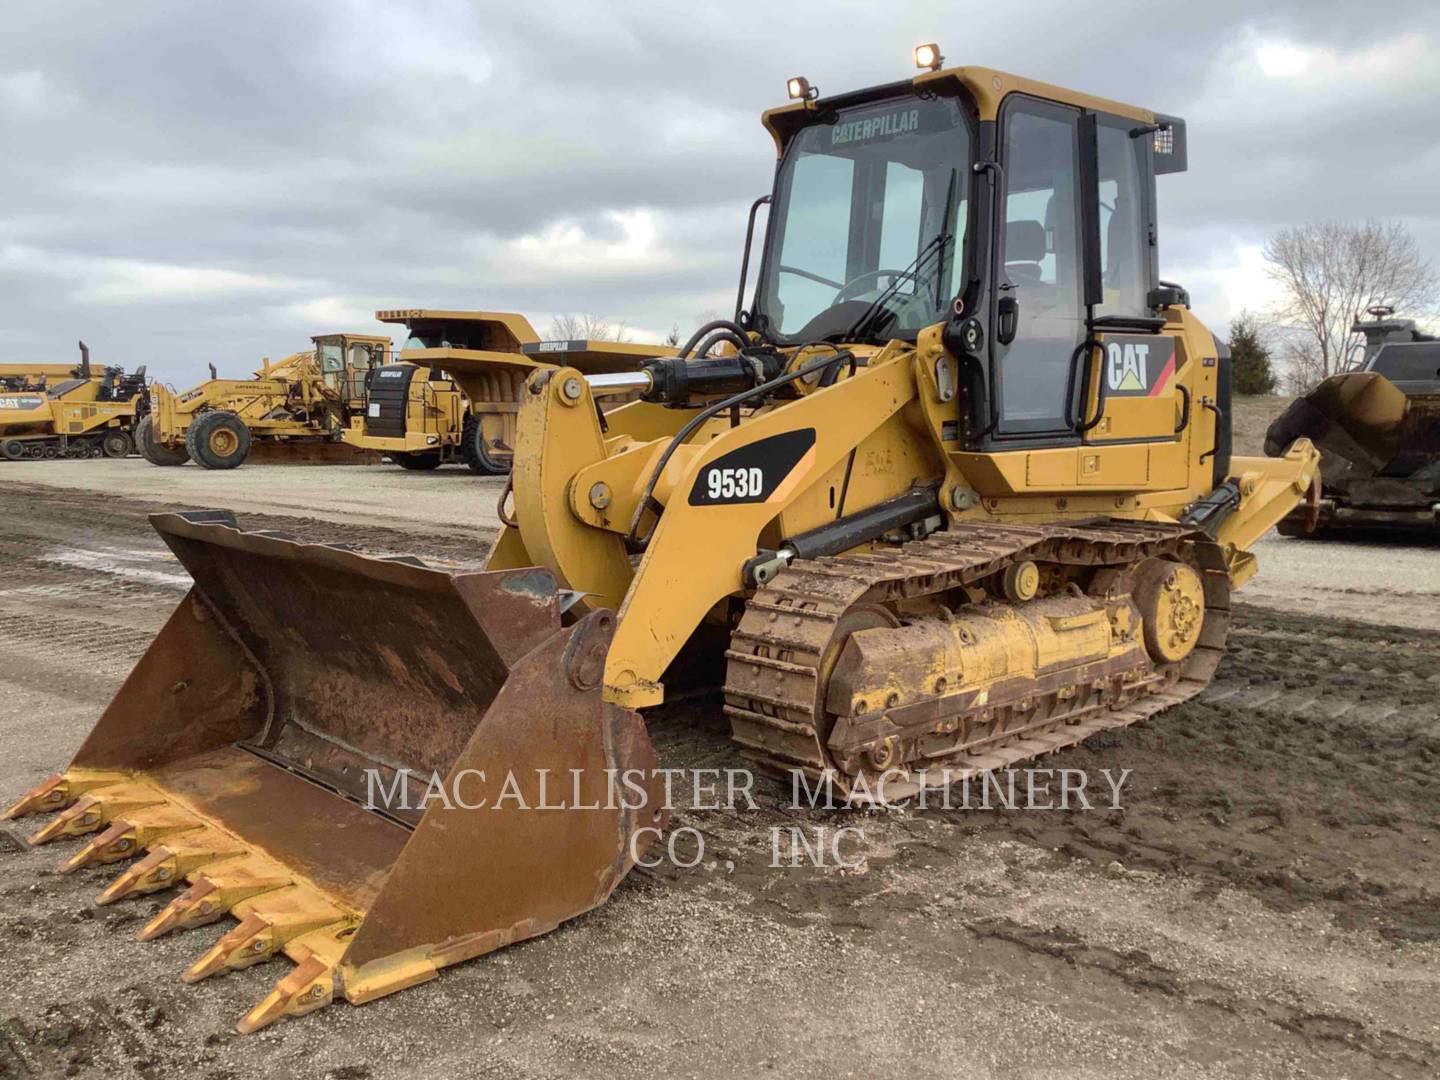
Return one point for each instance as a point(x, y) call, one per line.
point(15, 377)
point(296, 408)
point(955, 491)
point(1378, 430)
point(453, 393)
point(50, 411)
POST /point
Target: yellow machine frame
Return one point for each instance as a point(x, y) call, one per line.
point(454, 389)
point(305, 396)
point(71, 417)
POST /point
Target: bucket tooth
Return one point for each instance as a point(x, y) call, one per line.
point(267, 923)
point(196, 906)
point(171, 862)
point(57, 792)
point(309, 987)
point(249, 943)
point(154, 872)
point(130, 834)
point(212, 895)
point(96, 809)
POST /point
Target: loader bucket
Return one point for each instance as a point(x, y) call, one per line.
point(378, 768)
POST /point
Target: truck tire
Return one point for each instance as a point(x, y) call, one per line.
point(477, 455)
point(420, 462)
point(218, 440)
point(154, 451)
point(116, 443)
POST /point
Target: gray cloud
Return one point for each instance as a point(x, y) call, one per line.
point(201, 182)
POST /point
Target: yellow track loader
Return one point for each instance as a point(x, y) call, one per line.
point(454, 391)
point(294, 409)
point(1378, 430)
point(955, 490)
point(50, 411)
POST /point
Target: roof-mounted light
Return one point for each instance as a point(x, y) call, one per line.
point(799, 89)
point(928, 56)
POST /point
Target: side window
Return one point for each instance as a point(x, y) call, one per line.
point(330, 357)
point(1124, 254)
point(360, 357)
point(1040, 246)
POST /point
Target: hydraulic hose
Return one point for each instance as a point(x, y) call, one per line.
point(717, 324)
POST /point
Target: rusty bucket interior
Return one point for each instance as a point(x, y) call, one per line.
point(378, 767)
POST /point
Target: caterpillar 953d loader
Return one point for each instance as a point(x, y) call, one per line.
point(453, 392)
point(956, 490)
point(50, 411)
point(1378, 430)
point(292, 410)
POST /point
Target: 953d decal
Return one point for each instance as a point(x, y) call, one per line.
point(754, 473)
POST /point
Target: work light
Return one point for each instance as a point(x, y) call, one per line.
point(928, 56)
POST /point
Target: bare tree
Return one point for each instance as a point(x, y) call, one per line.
point(587, 327)
point(1329, 273)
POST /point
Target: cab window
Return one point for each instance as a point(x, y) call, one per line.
point(360, 357)
point(1040, 271)
point(1124, 230)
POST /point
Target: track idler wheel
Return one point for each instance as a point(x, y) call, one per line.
point(117, 443)
point(1171, 600)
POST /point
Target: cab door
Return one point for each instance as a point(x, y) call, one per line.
point(360, 359)
point(330, 352)
point(1087, 378)
point(1040, 310)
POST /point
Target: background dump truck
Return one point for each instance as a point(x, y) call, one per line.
point(292, 410)
point(51, 411)
point(1378, 430)
point(454, 391)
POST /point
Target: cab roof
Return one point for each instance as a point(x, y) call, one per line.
point(987, 86)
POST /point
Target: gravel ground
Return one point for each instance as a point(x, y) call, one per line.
point(1266, 903)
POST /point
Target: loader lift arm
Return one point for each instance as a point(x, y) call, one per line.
point(694, 558)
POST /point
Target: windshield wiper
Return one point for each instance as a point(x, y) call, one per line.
point(911, 272)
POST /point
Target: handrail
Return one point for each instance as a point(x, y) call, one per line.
point(1185, 411)
point(1089, 344)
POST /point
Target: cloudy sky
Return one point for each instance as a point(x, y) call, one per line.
point(188, 182)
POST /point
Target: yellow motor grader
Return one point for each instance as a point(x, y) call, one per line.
point(956, 489)
point(453, 392)
point(296, 408)
point(53, 411)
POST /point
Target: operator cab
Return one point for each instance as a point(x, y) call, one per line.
point(1019, 215)
point(346, 361)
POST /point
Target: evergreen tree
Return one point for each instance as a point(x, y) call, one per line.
point(1250, 356)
